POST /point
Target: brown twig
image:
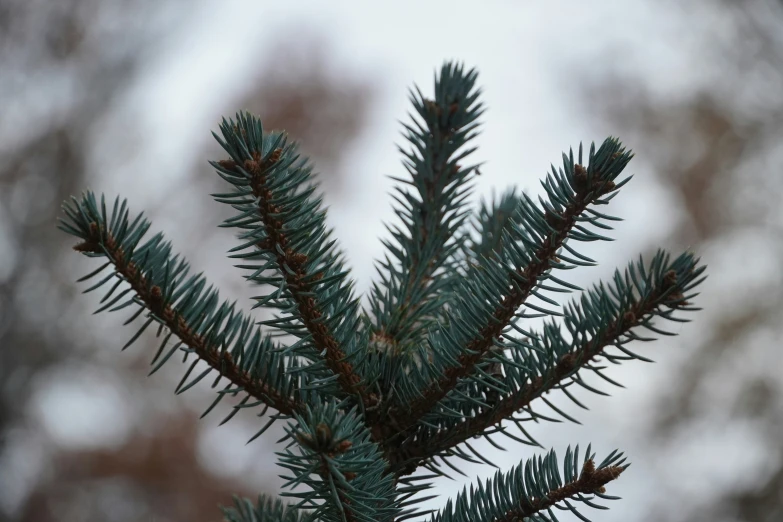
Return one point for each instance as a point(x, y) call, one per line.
point(527, 279)
point(291, 265)
point(591, 480)
point(152, 296)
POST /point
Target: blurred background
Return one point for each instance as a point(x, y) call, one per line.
point(120, 96)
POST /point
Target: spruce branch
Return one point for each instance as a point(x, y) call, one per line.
point(343, 469)
point(285, 232)
point(412, 293)
point(453, 289)
point(494, 289)
point(605, 316)
point(156, 282)
point(530, 492)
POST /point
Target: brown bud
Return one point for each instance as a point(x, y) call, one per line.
point(580, 177)
point(297, 258)
point(568, 362)
point(156, 294)
point(432, 107)
point(323, 435)
point(95, 231)
point(275, 156)
point(676, 299)
point(85, 246)
point(343, 446)
point(588, 468)
point(252, 167)
point(228, 164)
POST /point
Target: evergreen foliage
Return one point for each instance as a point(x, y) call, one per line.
point(377, 401)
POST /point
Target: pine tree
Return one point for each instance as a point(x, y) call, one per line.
point(377, 402)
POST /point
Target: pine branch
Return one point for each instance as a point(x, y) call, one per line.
point(540, 363)
point(530, 492)
point(286, 232)
point(412, 294)
point(364, 417)
point(159, 284)
point(342, 468)
point(493, 291)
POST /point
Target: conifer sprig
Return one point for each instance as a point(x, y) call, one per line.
point(288, 247)
point(342, 468)
point(605, 316)
point(450, 300)
point(530, 492)
point(412, 292)
point(216, 332)
point(488, 300)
